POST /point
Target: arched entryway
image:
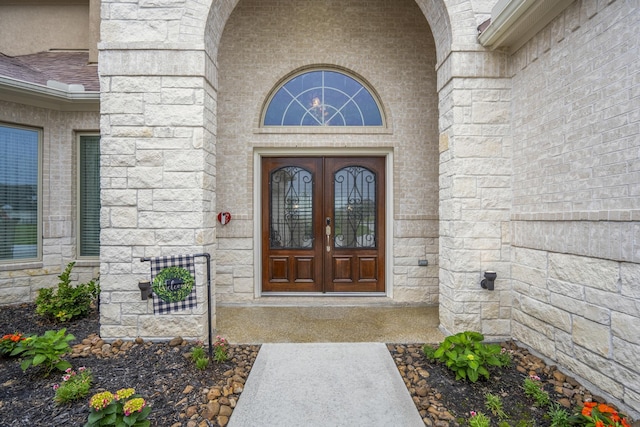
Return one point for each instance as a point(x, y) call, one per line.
point(182, 97)
point(391, 48)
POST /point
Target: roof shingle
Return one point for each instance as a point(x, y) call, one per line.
point(64, 67)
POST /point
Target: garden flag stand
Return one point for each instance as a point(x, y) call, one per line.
point(172, 279)
point(173, 284)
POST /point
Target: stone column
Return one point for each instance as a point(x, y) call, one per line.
point(475, 193)
point(157, 164)
point(158, 183)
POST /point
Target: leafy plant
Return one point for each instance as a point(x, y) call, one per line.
point(494, 405)
point(125, 408)
point(599, 415)
point(533, 388)
point(9, 342)
point(46, 350)
point(67, 302)
point(429, 352)
point(467, 356)
point(200, 358)
point(558, 415)
point(198, 353)
point(478, 419)
point(505, 357)
point(202, 363)
point(220, 353)
point(74, 386)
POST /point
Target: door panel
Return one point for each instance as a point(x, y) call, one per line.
point(291, 252)
point(354, 199)
point(323, 224)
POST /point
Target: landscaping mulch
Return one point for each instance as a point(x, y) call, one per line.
point(178, 392)
point(183, 396)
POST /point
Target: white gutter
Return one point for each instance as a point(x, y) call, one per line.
point(514, 22)
point(55, 95)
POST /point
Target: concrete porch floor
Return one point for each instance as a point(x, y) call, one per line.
point(286, 324)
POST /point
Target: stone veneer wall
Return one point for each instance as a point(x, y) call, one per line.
point(576, 194)
point(159, 66)
point(19, 281)
point(389, 45)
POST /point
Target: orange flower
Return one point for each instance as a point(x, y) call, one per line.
point(599, 423)
point(605, 408)
point(625, 423)
point(590, 404)
point(586, 411)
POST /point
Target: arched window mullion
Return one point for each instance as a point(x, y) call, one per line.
point(348, 101)
point(309, 92)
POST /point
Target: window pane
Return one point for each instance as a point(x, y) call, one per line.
point(355, 208)
point(291, 208)
point(278, 105)
point(18, 193)
point(322, 98)
point(89, 200)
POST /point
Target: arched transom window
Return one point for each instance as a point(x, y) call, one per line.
point(322, 98)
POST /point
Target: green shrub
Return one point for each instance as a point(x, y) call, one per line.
point(46, 350)
point(9, 342)
point(534, 389)
point(220, 353)
point(505, 357)
point(467, 356)
point(74, 386)
point(493, 403)
point(559, 416)
point(68, 302)
point(478, 419)
point(202, 363)
point(198, 352)
point(199, 357)
point(429, 352)
point(125, 408)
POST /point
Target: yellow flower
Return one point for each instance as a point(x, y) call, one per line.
point(470, 356)
point(134, 405)
point(124, 393)
point(101, 400)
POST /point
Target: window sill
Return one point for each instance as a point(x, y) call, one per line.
point(21, 265)
point(85, 262)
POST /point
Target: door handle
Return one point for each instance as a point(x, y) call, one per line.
point(327, 231)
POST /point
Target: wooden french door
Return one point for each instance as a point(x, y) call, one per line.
point(323, 224)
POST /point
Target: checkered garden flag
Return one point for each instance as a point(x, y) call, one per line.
point(158, 265)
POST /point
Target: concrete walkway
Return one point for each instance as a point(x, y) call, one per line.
point(325, 384)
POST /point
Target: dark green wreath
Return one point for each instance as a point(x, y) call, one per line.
point(161, 284)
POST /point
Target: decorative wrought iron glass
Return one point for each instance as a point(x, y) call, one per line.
point(355, 208)
point(291, 208)
point(323, 98)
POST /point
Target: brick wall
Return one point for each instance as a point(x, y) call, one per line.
point(19, 281)
point(388, 45)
